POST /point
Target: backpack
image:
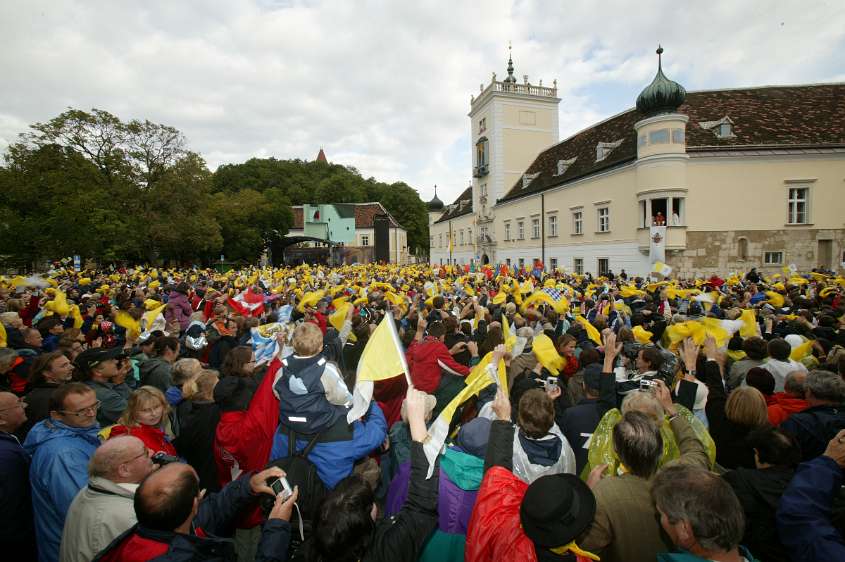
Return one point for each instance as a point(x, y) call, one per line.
point(303, 473)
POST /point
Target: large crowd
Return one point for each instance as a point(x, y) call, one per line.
point(259, 414)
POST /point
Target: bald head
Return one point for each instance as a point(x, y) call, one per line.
point(122, 459)
point(796, 383)
point(12, 412)
point(166, 499)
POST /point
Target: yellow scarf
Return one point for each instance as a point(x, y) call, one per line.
point(574, 549)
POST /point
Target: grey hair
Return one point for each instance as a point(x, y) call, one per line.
point(645, 402)
point(796, 383)
point(705, 501)
point(826, 386)
point(7, 357)
point(637, 442)
point(111, 455)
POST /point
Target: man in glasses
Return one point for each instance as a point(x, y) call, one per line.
point(103, 509)
point(61, 447)
point(17, 538)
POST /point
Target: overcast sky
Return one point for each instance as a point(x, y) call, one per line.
point(384, 86)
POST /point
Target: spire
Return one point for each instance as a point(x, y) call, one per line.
point(321, 156)
point(435, 204)
point(510, 79)
point(662, 95)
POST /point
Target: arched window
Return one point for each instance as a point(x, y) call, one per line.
point(742, 248)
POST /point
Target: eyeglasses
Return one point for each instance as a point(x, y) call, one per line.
point(86, 411)
point(21, 402)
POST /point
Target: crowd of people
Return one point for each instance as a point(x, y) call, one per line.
point(185, 414)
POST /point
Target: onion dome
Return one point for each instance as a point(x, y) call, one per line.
point(662, 95)
point(435, 204)
point(511, 79)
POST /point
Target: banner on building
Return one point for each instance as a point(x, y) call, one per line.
point(657, 245)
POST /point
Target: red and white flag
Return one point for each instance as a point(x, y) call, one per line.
point(248, 303)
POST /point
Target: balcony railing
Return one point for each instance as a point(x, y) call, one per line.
point(485, 240)
point(480, 171)
point(516, 88)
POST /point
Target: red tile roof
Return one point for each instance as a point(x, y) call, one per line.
point(771, 117)
point(456, 210)
point(364, 215)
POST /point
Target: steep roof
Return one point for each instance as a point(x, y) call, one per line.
point(462, 206)
point(364, 215)
point(321, 156)
point(770, 117)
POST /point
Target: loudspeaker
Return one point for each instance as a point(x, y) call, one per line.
point(381, 226)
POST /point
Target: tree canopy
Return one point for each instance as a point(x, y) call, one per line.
point(88, 183)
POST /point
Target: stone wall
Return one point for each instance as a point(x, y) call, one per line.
point(711, 253)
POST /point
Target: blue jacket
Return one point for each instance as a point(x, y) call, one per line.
point(804, 515)
point(335, 460)
point(59, 469)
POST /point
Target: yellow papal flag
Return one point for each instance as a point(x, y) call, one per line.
point(382, 358)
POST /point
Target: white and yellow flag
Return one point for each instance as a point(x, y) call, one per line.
point(382, 358)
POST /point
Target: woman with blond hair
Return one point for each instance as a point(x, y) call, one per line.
point(146, 417)
point(198, 417)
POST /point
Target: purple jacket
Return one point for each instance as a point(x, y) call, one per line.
point(178, 310)
point(460, 478)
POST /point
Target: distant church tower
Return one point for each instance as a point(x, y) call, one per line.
point(321, 156)
point(510, 124)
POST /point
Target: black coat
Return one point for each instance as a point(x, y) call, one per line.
point(17, 537)
point(729, 436)
point(814, 427)
point(195, 443)
point(759, 492)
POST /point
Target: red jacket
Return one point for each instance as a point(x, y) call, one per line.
point(153, 437)
point(244, 439)
point(784, 405)
point(425, 360)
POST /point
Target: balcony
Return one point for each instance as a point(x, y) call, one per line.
point(480, 171)
point(676, 238)
point(485, 240)
point(482, 219)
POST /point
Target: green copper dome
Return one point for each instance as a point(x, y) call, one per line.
point(662, 95)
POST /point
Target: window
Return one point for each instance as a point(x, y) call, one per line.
point(431, 243)
point(563, 165)
point(484, 190)
point(797, 205)
point(469, 236)
point(678, 136)
point(507, 231)
point(440, 240)
point(520, 230)
point(461, 237)
point(553, 264)
point(603, 149)
point(577, 222)
point(604, 219)
point(508, 261)
point(481, 157)
point(724, 131)
point(365, 239)
point(660, 136)
point(742, 249)
point(773, 258)
point(535, 228)
point(604, 266)
point(521, 263)
point(482, 125)
point(578, 265)
point(552, 225)
point(642, 215)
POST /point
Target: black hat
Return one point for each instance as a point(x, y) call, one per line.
point(90, 358)
point(556, 509)
point(592, 376)
point(233, 394)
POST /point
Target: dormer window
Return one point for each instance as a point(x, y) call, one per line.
point(528, 178)
point(603, 149)
point(563, 165)
point(721, 129)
